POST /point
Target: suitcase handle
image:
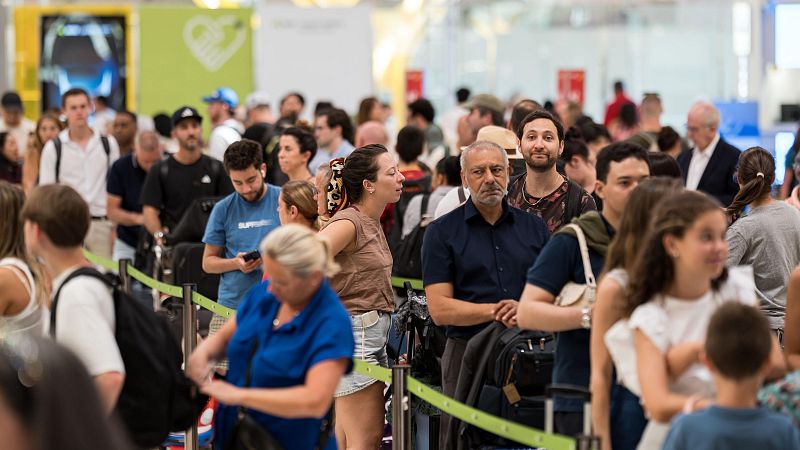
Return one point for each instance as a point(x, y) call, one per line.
point(568, 391)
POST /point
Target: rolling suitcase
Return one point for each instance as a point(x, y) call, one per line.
point(585, 441)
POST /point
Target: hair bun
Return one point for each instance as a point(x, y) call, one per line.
point(304, 125)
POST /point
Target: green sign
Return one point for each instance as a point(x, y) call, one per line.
point(186, 53)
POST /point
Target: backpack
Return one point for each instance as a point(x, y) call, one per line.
point(156, 397)
point(57, 144)
point(407, 254)
point(515, 383)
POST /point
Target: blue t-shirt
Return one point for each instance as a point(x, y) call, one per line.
point(239, 226)
point(321, 332)
point(559, 263)
point(125, 180)
point(717, 428)
point(485, 263)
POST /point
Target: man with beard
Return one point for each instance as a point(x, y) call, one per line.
point(172, 184)
point(474, 259)
point(237, 225)
point(541, 190)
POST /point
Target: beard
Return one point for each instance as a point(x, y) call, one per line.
point(191, 143)
point(254, 196)
point(490, 196)
point(538, 165)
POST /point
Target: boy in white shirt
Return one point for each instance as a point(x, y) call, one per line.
point(56, 221)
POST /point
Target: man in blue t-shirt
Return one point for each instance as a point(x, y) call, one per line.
point(238, 223)
point(620, 168)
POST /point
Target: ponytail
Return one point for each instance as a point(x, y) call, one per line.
point(755, 176)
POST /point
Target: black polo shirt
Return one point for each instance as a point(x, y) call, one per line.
point(484, 263)
point(125, 180)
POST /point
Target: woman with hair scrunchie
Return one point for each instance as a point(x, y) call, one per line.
point(767, 237)
point(360, 188)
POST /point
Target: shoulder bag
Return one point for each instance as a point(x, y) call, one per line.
point(576, 293)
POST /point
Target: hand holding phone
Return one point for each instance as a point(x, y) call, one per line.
point(252, 256)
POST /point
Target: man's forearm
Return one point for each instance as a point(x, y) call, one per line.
point(125, 218)
point(450, 311)
point(217, 264)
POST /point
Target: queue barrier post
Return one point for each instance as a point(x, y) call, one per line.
point(124, 276)
point(189, 342)
point(401, 408)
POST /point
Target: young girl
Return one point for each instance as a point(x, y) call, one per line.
point(679, 279)
point(618, 418)
point(47, 127)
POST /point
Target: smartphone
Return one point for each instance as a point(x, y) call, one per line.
point(252, 256)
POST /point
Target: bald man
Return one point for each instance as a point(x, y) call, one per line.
point(710, 166)
point(125, 181)
point(372, 132)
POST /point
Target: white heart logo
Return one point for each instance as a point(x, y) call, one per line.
point(206, 39)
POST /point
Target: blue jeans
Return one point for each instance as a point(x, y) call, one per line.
point(627, 419)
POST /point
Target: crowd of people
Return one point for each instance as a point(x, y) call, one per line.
point(667, 269)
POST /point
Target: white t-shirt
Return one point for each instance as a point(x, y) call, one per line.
point(20, 133)
point(222, 136)
point(85, 171)
point(85, 323)
point(669, 321)
point(450, 202)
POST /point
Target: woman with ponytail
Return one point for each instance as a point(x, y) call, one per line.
point(768, 237)
point(359, 189)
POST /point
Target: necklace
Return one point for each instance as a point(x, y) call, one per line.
point(525, 194)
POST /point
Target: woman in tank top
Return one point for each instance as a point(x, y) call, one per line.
point(360, 188)
point(22, 292)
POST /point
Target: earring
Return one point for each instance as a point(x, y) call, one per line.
point(371, 192)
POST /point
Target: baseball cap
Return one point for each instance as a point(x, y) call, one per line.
point(487, 101)
point(257, 99)
point(225, 95)
point(11, 101)
point(185, 112)
point(503, 137)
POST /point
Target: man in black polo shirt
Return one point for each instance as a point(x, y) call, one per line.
point(172, 184)
point(125, 181)
point(620, 168)
point(474, 259)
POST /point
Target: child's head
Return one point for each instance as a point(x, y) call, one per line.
point(738, 342)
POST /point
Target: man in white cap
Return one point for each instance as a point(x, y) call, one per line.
point(259, 109)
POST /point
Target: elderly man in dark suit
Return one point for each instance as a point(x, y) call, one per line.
point(711, 165)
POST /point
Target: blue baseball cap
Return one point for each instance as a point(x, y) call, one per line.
point(225, 95)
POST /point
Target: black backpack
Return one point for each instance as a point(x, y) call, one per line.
point(156, 397)
point(407, 254)
point(515, 383)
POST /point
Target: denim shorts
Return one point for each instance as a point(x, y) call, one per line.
point(370, 331)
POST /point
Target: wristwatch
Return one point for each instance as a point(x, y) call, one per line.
point(586, 317)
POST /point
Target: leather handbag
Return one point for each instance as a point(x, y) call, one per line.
point(247, 433)
point(250, 435)
point(576, 293)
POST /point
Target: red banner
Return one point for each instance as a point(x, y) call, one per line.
point(413, 85)
point(571, 85)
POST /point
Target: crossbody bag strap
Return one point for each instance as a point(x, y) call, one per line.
point(587, 265)
point(248, 372)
